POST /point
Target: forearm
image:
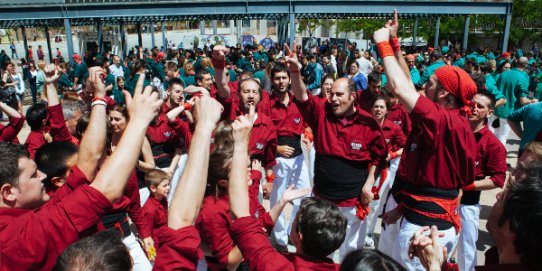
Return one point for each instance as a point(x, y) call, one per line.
point(189, 193)
point(370, 176)
point(234, 258)
point(400, 85)
point(274, 213)
point(221, 80)
point(52, 95)
point(173, 113)
point(11, 112)
point(175, 160)
point(516, 127)
point(485, 184)
point(298, 87)
point(238, 186)
point(93, 142)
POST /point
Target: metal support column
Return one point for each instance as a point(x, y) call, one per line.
point(100, 37)
point(215, 31)
point(202, 27)
point(139, 37)
point(239, 30)
point(466, 33)
point(292, 30)
point(415, 34)
point(122, 39)
point(49, 44)
point(506, 35)
point(164, 40)
point(25, 42)
point(69, 38)
point(151, 29)
point(437, 32)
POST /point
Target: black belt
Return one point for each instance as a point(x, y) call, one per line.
point(291, 141)
point(118, 221)
point(336, 178)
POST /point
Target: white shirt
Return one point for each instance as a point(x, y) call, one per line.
point(365, 66)
point(116, 71)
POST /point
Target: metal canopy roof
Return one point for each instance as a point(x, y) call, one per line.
point(52, 13)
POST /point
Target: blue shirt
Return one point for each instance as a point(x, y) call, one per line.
point(531, 115)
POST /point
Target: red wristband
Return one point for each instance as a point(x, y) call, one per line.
point(395, 44)
point(218, 64)
point(99, 99)
point(270, 178)
point(384, 49)
point(308, 135)
point(393, 155)
point(470, 187)
point(187, 106)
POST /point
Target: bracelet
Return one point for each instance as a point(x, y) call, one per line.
point(270, 178)
point(98, 102)
point(98, 99)
point(470, 187)
point(384, 49)
point(187, 106)
point(218, 64)
point(393, 155)
point(308, 135)
point(395, 45)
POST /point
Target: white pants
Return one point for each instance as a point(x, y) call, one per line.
point(402, 243)
point(144, 194)
point(355, 232)
point(176, 177)
point(466, 247)
point(288, 172)
point(141, 263)
point(377, 205)
point(389, 233)
point(502, 132)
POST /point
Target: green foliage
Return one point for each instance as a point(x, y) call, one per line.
point(526, 18)
point(356, 25)
point(309, 25)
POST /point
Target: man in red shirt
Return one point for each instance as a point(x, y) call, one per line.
point(490, 173)
point(367, 97)
point(318, 230)
point(439, 156)
point(349, 146)
point(34, 231)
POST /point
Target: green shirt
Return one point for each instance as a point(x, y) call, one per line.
point(80, 71)
point(513, 84)
point(491, 87)
point(429, 71)
point(531, 115)
point(64, 81)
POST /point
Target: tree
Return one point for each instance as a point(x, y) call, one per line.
point(309, 25)
point(526, 17)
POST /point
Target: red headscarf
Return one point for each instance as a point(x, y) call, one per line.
point(459, 83)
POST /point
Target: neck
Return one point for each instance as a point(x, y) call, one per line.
point(283, 96)
point(508, 255)
point(351, 111)
point(381, 121)
point(158, 197)
point(477, 125)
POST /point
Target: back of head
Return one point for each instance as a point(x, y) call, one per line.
point(369, 260)
point(52, 159)
point(523, 62)
point(35, 115)
point(9, 159)
point(103, 251)
point(322, 226)
point(522, 209)
point(457, 82)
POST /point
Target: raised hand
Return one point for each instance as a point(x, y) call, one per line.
point(145, 104)
point(95, 81)
point(207, 110)
point(219, 53)
point(51, 73)
point(393, 25)
point(291, 59)
point(382, 34)
point(241, 129)
point(292, 194)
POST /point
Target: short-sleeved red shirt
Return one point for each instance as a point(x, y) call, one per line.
point(395, 139)
point(398, 115)
point(155, 212)
point(490, 157)
point(8, 133)
point(287, 118)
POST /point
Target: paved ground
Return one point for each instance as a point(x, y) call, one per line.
point(487, 199)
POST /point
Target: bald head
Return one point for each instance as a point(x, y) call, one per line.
point(346, 84)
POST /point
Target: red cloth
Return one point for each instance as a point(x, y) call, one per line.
point(398, 115)
point(155, 212)
point(490, 157)
point(459, 83)
point(34, 141)
point(33, 239)
point(336, 137)
point(260, 255)
point(55, 125)
point(231, 105)
point(441, 149)
point(8, 133)
point(287, 118)
point(395, 139)
point(179, 249)
point(450, 207)
point(74, 180)
point(366, 100)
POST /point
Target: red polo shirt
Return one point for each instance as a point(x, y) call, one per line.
point(287, 118)
point(356, 138)
point(179, 249)
point(8, 133)
point(163, 137)
point(398, 115)
point(231, 105)
point(395, 139)
point(260, 255)
point(33, 239)
point(56, 126)
point(440, 150)
point(34, 141)
point(155, 212)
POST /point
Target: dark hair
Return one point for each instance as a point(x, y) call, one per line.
point(385, 98)
point(101, 251)
point(201, 74)
point(353, 62)
point(35, 116)
point(220, 157)
point(99, 61)
point(51, 159)
point(472, 62)
point(436, 54)
point(121, 109)
point(279, 67)
point(9, 159)
point(521, 208)
point(490, 96)
point(480, 81)
point(352, 88)
point(322, 225)
point(486, 68)
point(369, 260)
point(138, 65)
point(374, 76)
point(175, 81)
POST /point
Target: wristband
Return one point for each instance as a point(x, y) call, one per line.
point(270, 178)
point(393, 155)
point(98, 99)
point(384, 49)
point(395, 45)
point(218, 64)
point(308, 135)
point(187, 106)
point(470, 187)
point(98, 102)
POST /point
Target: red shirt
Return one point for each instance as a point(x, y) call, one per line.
point(398, 115)
point(179, 249)
point(155, 212)
point(56, 126)
point(356, 138)
point(260, 255)
point(395, 139)
point(33, 239)
point(164, 139)
point(440, 150)
point(490, 157)
point(34, 141)
point(366, 100)
point(8, 133)
point(287, 119)
point(232, 103)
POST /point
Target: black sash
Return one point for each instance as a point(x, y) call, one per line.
point(291, 141)
point(336, 178)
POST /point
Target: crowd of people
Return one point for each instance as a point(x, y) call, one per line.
point(186, 144)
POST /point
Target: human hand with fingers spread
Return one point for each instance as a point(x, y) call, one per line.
point(291, 59)
point(428, 249)
point(51, 73)
point(393, 25)
point(145, 104)
point(292, 194)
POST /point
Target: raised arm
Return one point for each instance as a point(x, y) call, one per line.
point(221, 73)
point(297, 85)
point(399, 83)
point(115, 172)
point(188, 195)
point(238, 185)
point(393, 26)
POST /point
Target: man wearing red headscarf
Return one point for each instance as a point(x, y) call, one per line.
point(439, 156)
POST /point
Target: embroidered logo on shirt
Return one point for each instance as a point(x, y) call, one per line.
point(398, 122)
point(297, 120)
point(167, 134)
point(387, 141)
point(476, 163)
point(355, 146)
point(259, 146)
point(413, 147)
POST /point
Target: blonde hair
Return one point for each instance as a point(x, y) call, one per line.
point(535, 148)
point(206, 63)
point(41, 64)
point(154, 177)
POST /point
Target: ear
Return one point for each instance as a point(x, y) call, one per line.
point(58, 181)
point(7, 194)
point(490, 113)
point(152, 188)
